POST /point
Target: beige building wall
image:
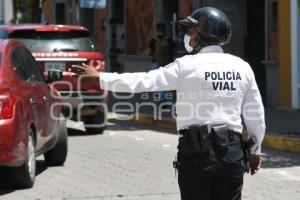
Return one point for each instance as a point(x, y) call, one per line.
point(284, 52)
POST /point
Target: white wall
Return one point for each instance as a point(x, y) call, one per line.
point(295, 53)
point(1, 11)
point(298, 53)
point(8, 11)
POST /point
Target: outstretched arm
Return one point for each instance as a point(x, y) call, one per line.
point(164, 78)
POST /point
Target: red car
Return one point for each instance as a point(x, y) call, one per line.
point(30, 122)
point(59, 47)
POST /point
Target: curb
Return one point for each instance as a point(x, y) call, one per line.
point(282, 143)
point(117, 116)
point(288, 109)
point(167, 123)
point(272, 141)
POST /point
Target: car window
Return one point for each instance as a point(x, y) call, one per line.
point(55, 41)
point(26, 67)
point(17, 62)
point(32, 68)
point(3, 34)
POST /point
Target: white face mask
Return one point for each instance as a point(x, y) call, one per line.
point(187, 45)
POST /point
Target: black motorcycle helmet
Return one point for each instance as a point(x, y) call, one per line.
point(213, 26)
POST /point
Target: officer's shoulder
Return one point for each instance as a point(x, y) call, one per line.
point(233, 58)
point(242, 64)
point(236, 59)
point(185, 60)
point(211, 58)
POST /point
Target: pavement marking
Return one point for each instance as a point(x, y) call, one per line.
point(112, 133)
point(75, 125)
point(282, 172)
point(110, 124)
point(288, 176)
point(162, 196)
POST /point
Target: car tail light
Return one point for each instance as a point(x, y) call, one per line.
point(6, 107)
point(98, 64)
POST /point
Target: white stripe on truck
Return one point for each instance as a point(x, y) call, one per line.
point(61, 59)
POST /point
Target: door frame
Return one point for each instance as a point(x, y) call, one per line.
point(295, 50)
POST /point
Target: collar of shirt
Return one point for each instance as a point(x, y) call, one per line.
point(212, 49)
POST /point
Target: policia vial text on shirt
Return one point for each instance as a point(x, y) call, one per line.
point(219, 77)
point(211, 158)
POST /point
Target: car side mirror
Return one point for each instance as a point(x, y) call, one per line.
point(54, 75)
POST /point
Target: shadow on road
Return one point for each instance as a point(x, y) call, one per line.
point(79, 133)
point(279, 159)
point(131, 126)
point(75, 132)
point(116, 125)
point(6, 181)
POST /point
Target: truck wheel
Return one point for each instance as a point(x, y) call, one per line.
point(24, 176)
point(98, 120)
point(58, 155)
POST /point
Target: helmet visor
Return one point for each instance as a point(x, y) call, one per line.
point(188, 22)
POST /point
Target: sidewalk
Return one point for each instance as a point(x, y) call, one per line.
point(282, 132)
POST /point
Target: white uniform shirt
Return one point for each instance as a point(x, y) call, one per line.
point(212, 88)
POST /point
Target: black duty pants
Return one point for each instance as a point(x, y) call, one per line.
point(204, 177)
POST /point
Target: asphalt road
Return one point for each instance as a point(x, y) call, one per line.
point(134, 162)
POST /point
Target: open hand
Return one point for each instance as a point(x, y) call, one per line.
point(89, 74)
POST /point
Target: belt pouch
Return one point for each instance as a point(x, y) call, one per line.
point(200, 138)
point(185, 146)
point(221, 137)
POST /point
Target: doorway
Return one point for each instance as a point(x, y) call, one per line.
point(298, 39)
point(60, 13)
point(255, 41)
point(166, 12)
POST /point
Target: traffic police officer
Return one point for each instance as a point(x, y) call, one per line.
point(214, 92)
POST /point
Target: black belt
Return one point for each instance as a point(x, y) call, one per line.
point(233, 136)
point(221, 140)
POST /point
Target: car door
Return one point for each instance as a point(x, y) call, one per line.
point(47, 97)
point(38, 90)
point(43, 97)
point(28, 89)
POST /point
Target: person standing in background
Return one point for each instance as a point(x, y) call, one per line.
point(161, 49)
